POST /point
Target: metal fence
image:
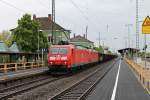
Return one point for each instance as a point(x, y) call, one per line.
point(6, 67)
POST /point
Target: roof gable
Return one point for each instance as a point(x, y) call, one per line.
point(46, 23)
point(79, 39)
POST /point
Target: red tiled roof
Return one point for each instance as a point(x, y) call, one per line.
point(46, 23)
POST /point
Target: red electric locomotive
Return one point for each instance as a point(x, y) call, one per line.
point(66, 58)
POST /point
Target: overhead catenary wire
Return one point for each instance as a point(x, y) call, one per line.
point(75, 5)
point(83, 14)
point(11, 5)
point(17, 8)
point(43, 4)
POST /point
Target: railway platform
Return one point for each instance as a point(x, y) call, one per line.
point(21, 73)
point(119, 84)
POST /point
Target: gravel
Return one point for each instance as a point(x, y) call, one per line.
point(49, 90)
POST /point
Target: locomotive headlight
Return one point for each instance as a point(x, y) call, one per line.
point(65, 62)
point(52, 58)
point(64, 58)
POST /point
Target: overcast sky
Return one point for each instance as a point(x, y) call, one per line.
point(108, 17)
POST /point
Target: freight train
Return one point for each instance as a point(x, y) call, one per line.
point(67, 58)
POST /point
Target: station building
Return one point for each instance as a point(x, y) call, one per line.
point(59, 33)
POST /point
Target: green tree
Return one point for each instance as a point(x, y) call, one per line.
point(99, 49)
point(26, 34)
point(6, 37)
point(109, 52)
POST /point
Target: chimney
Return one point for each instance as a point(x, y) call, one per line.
point(74, 35)
point(34, 16)
point(49, 16)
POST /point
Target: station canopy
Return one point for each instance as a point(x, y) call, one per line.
point(3, 47)
point(133, 50)
point(12, 50)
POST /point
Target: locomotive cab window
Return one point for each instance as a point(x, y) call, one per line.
point(54, 50)
point(58, 50)
point(62, 50)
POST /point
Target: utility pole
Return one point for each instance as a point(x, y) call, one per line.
point(128, 26)
point(107, 28)
point(53, 22)
point(103, 45)
point(137, 24)
point(137, 28)
point(99, 40)
point(86, 32)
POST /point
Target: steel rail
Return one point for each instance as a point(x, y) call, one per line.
point(80, 90)
point(9, 94)
point(22, 84)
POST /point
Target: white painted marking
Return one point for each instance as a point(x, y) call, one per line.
point(116, 83)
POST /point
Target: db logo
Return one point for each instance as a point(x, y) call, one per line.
point(58, 57)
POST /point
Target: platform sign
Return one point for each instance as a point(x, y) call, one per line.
point(146, 26)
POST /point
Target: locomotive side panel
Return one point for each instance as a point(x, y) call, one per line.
point(69, 57)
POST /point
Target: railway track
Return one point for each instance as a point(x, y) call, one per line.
point(8, 92)
point(80, 90)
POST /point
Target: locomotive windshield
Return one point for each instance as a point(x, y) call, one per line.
point(58, 51)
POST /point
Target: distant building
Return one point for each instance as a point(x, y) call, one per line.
point(106, 49)
point(79, 40)
point(60, 33)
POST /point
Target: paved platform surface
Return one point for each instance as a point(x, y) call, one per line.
point(127, 87)
point(21, 73)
